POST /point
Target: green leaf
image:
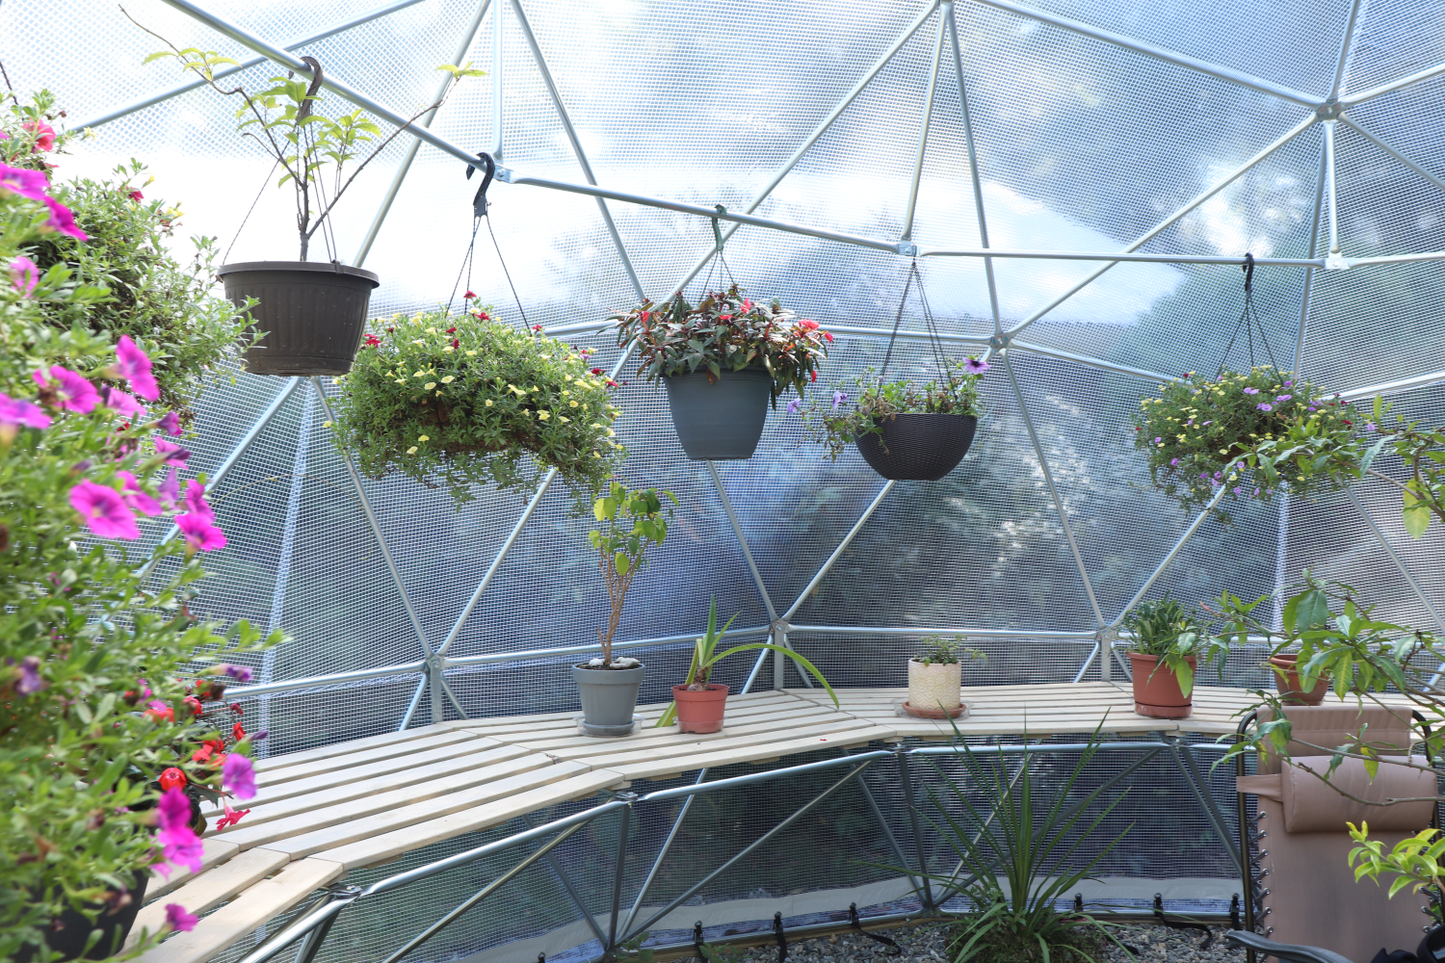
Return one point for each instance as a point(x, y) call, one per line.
point(623, 563)
point(1416, 513)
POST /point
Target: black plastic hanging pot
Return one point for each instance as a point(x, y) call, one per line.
point(919, 446)
point(313, 313)
point(720, 420)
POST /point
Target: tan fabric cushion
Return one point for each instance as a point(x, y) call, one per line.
point(1336, 725)
point(1311, 806)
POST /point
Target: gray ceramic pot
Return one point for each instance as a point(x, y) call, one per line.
point(609, 698)
point(313, 313)
point(720, 420)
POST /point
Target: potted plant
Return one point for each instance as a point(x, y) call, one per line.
point(1168, 640)
point(903, 430)
point(722, 361)
point(1202, 436)
point(936, 676)
point(311, 314)
point(471, 399)
point(698, 705)
point(1300, 652)
point(631, 523)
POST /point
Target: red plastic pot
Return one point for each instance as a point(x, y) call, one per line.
point(700, 711)
point(1156, 688)
point(1286, 679)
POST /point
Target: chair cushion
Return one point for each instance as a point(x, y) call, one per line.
point(1337, 725)
point(1312, 806)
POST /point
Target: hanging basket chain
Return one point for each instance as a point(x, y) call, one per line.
point(1249, 321)
point(935, 340)
point(716, 258)
point(479, 214)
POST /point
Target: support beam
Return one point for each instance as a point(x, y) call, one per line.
point(1084, 359)
point(1393, 387)
point(924, 123)
point(838, 552)
point(1344, 51)
point(1053, 489)
point(1394, 85)
point(1331, 195)
point(971, 148)
point(742, 542)
point(1397, 560)
point(1168, 558)
point(1432, 178)
point(1119, 257)
point(916, 631)
point(1304, 310)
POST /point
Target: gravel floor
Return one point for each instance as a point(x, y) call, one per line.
point(925, 944)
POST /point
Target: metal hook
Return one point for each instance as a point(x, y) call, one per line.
point(479, 203)
point(716, 231)
point(1248, 273)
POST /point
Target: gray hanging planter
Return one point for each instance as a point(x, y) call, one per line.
point(721, 420)
point(313, 313)
point(609, 698)
point(918, 446)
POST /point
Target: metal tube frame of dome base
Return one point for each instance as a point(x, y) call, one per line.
point(1396, 559)
point(923, 125)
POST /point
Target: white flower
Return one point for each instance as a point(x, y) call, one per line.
point(429, 385)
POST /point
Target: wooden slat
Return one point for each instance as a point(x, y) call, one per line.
point(331, 837)
point(379, 849)
point(575, 746)
point(657, 767)
point(262, 902)
point(680, 746)
point(210, 889)
point(213, 852)
point(345, 761)
point(346, 748)
point(411, 800)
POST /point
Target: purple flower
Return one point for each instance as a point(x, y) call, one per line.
point(180, 845)
point(178, 919)
point(14, 412)
point(238, 776)
point(123, 402)
point(170, 488)
point(1204, 474)
point(103, 510)
point(135, 367)
point(170, 423)
point(1173, 461)
point(1289, 384)
point(1206, 424)
point(25, 275)
point(196, 501)
point(1251, 391)
point(62, 220)
point(30, 681)
point(1237, 489)
point(1157, 440)
point(1283, 397)
point(135, 498)
point(838, 398)
point(975, 366)
point(1265, 406)
point(238, 672)
point(794, 405)
point(174, 454)
point(76, 393)
point(200, 533)
point(1219, 474)
point(31, 184)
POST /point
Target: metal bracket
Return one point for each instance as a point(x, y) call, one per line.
point(907, 248)
point(1337, 262)
point(479, 202)
point(1329, 111)
point(1000, 341)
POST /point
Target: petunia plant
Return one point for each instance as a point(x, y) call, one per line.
point(1203, 436)
point(837, 425)
point(95, 595)
point(725, 331)
point(470, 399)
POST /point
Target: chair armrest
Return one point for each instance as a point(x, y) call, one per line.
point(1285, 951)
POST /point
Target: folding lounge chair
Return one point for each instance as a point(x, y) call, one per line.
point(1300, 892)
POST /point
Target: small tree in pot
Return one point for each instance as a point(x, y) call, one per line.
point(312, 313)
point(722, 361)
point(1168, 640)
point(631, 523)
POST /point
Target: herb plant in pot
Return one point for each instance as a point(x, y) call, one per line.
point(698, 705)
point(936, 676)
point(631, 523)
point(1168, 640)
point(311, 313)
point(722, 361)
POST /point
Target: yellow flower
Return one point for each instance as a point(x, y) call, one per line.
point(566, 392)
point(1181, 437)
point(418, 374)
point(1224, 451)
point(563, 418)
point(572, 404)
point(449, 379)
point(449, 349)
point(611, 433)
point(429, 385)
point(326, 423)
point(471, 354)
point(411, 450)
point(595, 455)
point(1233, 475)
point(401, 381)
point(489, 402)
point(423, 438)
point(534, 388)
point(544, 415)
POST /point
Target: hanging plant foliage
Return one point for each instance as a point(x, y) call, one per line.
point(1202, 435)
point(466, 398)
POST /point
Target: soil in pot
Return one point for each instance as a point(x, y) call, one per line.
point(609, 698)
point(313, 313)
point(1157, 693)
point(719, 420)
point(1286, 679)
point(918, 446)
point(75, 929)
point(700, 711)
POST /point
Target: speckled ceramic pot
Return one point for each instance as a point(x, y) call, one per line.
point(934, 686)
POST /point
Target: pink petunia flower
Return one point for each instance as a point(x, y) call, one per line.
point(25, 275)
point(975, 366)
point(200, 533)
point(174, 454)
point(178, 919)
point(103, 510)
point(180, 845)
point(17, 180)
point(1251, 391)
point(1265, 406)
point(170, 488)
point(123, 402)
point(135, 498)
point(14, 412)
point(238, 776)
point(62, 220)
point(231, 817)
point(44, 133)
point(170, 423)
point(135, 367)
point(196, 501)
point(76, 393)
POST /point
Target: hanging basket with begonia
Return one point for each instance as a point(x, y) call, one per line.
point(469, 399)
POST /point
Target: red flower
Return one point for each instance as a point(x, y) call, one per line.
point(807, 325)
point(469, 295)
point(724, 317)
point(236, 708)
point(44, 134)
point(536, 327)
point(611, 383)
point(645, 315)
point(159, 711)
point(390, 330)
point(482, 315)
point(231, 817)
point(597, 371)
point(456, 344)
point(195, 704)
point(202, 754)
point(371, 341)
point(173, 778)
point(813, 375)
point(238, 732)
point(828, 337)
point(135, 195)
point(452, 330)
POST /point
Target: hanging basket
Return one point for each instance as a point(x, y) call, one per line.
point(917, 446)
point(719, 420)
point(313, 314)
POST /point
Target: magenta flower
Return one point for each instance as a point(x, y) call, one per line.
point(170, 423)
point(238, 672)
point(178, 919)
point(200, 533)
point(794, 405)
point(123, 402)
point(31, 184)
point(1251, 391)
point(135, 367)
point(1173, 462)
point(30, 681)
point(76, 393)
point(13, 412)
point(196, 501)
point(174, 454)
point(1283, 397)
point(180, 845)
point(62, 220)
point(136, 499)
point(1265, 406)
point(975, 366)
point(838, 398)
point(238, 776)
point(170, 488)
point(25, 275)
point(103, 510)
point(1369, 426)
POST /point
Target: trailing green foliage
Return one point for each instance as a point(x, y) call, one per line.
point(1416, 862)
point(467, 398)
point(946, 650)
point(631, 523)
point(1205, 436)
point(837, 426)
point(725, 331)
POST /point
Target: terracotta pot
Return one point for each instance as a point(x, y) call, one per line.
point(934, 687)
point(700, 711)
point(1286, 679)
point(1157, 693)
